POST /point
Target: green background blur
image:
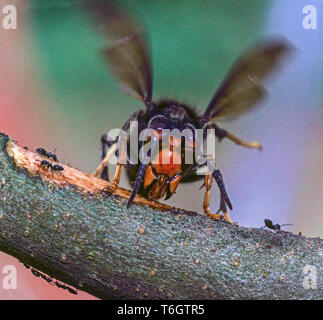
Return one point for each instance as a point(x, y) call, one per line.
point(193, 45)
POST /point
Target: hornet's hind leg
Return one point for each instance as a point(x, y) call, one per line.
point(221, 133)
point(246, 144)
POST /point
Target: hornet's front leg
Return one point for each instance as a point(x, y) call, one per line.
point(102, 169)
point(121, 161)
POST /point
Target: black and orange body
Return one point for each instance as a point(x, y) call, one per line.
point(166, 169)
point(129, 60)
point(164, 173)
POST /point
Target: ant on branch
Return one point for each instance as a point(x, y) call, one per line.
point(55, 167)
point(47, 154)
point(63, 286)
point(276, 227)
point(46, 163)
point(50, 280)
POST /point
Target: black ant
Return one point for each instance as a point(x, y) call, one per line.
point(46, 163)
point(47, 154)
point(35, 273)
point(50, 280)
point(38, 274)
point(63, 286)
point(70, 290)
point(46, 278)
point(55, 167)
point(41, 151)
point(269, 224)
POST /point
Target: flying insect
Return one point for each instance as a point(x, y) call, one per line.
point(129, 59)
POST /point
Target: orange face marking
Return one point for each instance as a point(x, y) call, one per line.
point(168, 160)
point(164, 173)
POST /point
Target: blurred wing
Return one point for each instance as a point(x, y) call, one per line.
point(243, 89)
point(128, 54)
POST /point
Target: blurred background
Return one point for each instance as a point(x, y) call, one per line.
point(56, 92)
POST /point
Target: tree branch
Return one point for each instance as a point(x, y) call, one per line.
point(67, 227)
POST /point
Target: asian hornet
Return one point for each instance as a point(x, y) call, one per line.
point(129, 59)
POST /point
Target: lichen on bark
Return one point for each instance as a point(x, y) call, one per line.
point(67, 226)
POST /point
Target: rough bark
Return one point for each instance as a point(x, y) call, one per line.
point(67, 227)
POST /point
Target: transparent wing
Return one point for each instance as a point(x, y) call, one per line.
point(243, 89)
point(128, 54)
